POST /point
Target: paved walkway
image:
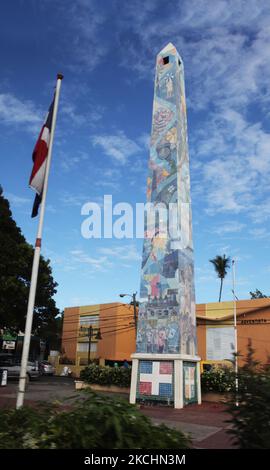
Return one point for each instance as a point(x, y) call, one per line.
point(206, 423)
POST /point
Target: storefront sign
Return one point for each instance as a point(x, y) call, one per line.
point(255, 321)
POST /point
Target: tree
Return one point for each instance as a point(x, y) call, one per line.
point(221, 265)
point(258, 295)
point(51, 331)
point(250, 419)
point(16, 256)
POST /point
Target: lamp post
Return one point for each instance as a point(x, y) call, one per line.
point(134, 301)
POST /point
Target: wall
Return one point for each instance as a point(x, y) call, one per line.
point(201, 332)
point(253, 321)
point(118, 335)
point(70, 332)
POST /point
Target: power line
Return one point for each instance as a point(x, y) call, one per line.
point(99, 320)
point(79, 314)
point(103, 334)
point(102, 327)
point(207, 323)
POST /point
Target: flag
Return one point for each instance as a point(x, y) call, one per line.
point(39, 157)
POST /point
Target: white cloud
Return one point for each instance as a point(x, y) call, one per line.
point(90, 116)
point(117, 146)
point(229, 227)
point(234, 168)
point(123, 252)
point(69, 199)
point(144, 140)
point(105, 257)
point(17, 201)
point(82, 43)
point(14, 111)
point(225, 47)
point(69, 162)
point(100, 263)
point(259, 233)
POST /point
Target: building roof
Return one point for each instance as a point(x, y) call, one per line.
point(216, 312)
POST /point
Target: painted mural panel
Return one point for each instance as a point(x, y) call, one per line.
point(190, 388)
point(155, 380)
point(166, 321)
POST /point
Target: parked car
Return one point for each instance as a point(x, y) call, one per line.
point(46, 368)
point(206, 366)
point(13, 366)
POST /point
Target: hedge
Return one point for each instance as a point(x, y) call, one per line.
point(105, 375)
point(218, 380)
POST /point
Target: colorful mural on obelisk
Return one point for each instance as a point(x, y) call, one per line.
point(167, 312)
point(166, 322)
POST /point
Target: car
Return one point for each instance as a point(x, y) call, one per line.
point(210, 365)
point(46, 368)
point(13, 367)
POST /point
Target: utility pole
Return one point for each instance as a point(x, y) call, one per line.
point(235, 335)
point(135, 312)
point(90, 331)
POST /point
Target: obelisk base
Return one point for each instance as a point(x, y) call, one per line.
point(169, 378)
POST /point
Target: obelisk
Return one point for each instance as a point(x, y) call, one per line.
point(165, 366)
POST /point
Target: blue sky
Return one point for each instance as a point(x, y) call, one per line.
point(106, 51)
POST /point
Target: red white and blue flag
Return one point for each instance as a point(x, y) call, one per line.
point(39, 156)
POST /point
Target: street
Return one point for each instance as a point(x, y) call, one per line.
point(46, 388)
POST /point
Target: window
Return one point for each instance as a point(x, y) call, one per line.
point(166, 60)
point(83, 347)
point(89, 319)
point(179, 62)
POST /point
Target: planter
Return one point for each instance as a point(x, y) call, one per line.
point(215, 397)
point(80, 385)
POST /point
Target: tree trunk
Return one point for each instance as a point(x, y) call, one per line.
point(220, 292)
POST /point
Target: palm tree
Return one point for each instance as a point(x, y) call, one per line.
point(221, 265)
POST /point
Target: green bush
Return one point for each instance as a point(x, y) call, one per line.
point(105, 375)
point(219, 380)
point(251, 418)
point(97, 422)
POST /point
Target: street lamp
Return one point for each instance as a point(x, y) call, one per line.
point(134, 301)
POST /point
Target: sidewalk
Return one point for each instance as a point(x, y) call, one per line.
point(205, 423)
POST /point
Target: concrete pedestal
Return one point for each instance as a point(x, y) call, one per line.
point(172, 378)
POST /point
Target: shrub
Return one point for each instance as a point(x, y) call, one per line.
point(105, 375)
point(218, 380)
point(96, 422)
point(251, 418)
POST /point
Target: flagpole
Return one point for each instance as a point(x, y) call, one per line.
point(34, 276)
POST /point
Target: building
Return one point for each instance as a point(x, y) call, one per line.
point(215, 329)
point(82, 326)
point(215, 334)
